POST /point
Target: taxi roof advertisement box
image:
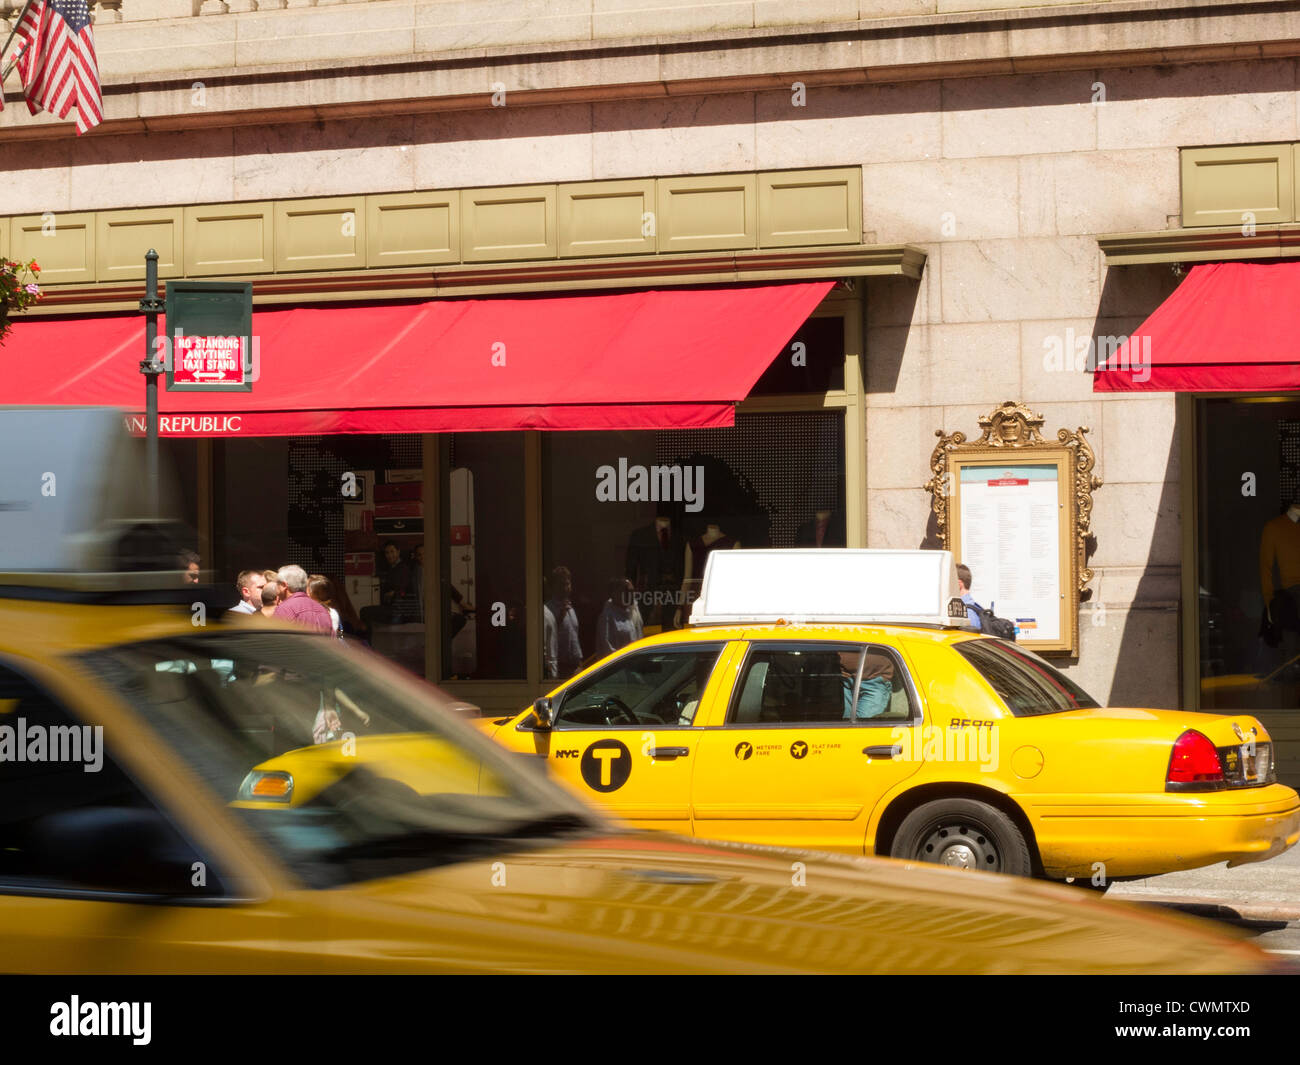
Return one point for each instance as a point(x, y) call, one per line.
point(852, 586)
point(210, 327)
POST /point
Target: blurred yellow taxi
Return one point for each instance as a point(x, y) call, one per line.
point(790, 718)
point(192, 825)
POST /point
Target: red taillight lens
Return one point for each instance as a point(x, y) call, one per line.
point(1195, 763)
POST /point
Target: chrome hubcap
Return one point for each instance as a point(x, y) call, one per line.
point(961, 846)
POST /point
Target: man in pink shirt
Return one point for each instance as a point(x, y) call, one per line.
point(298, 605)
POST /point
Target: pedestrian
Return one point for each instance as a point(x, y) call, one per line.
point(568, 646)
point(320, 588)
point(550, 644)
point(620, 621)
point(273, 579)
point(963, 587)
point(397, 600)
point(270, 598)
point(250, 583)
point(298, 606)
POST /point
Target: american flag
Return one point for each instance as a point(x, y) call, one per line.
point(57, 61)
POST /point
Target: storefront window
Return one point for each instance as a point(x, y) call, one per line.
point(250, 516)
point(484, 589)
point(629, 519)
point(178, 458)
point(348, 508)
point(1249, 557)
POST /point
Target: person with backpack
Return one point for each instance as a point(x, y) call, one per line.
point(963, 586)
point(985, 620)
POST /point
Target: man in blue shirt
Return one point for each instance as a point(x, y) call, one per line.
point(963, 586)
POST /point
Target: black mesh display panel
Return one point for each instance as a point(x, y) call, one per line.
point(1288, 444)
point(767, 475)
point(316, 468)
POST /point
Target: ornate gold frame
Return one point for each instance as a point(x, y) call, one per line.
point(1013, 427)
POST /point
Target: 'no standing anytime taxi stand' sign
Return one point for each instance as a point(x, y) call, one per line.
point(210, 330)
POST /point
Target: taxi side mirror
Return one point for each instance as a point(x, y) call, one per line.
point(542, 711)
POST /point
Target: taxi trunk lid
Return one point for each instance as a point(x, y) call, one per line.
point(1218, 728)
point(1243, 743)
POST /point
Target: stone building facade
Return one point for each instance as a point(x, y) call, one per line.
point(1001, 140)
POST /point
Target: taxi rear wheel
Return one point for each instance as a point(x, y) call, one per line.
point(963, 834)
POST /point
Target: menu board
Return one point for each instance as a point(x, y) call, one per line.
point(1011, 540)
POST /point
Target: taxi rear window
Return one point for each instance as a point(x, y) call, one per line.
point(1028, 685)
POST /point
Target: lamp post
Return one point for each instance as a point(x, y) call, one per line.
point(151, 306)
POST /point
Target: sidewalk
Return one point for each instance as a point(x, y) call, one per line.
point(1263, 891)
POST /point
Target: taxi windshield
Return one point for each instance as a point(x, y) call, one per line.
point(346, 769)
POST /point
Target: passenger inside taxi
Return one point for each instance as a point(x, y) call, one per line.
point(801, 686)
point(875, 685)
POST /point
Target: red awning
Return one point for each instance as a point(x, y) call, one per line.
point(1229, 327)
point(663, 359)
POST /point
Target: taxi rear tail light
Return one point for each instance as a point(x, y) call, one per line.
point(1194, 764)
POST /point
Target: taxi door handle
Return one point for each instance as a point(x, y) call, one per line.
point(883, 752)
point(669, 752)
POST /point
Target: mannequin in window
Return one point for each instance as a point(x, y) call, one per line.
point(698, 550)
point(1279, 546)
point(654, 566)
point(825, 528)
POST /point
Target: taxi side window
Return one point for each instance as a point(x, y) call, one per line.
point(820, 683)
point(70, 819)
point(1023, 681)
point(656, 687)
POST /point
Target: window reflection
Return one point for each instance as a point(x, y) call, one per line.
point(484, 554)
point(1249, 553)
point(636, 515)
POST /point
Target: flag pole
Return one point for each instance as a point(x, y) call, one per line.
point(17, 22)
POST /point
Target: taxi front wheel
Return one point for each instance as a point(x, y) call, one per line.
point(963, 834)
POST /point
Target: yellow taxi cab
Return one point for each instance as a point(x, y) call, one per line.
point(183, 791)
point(963, 749)
point(191, 825)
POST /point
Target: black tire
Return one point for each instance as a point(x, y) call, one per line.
point(963, 833)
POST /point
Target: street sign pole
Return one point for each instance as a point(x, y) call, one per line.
point(150, 307)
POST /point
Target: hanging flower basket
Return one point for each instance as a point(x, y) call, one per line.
point(18, 290)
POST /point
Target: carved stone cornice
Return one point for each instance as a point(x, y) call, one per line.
point(320, 82)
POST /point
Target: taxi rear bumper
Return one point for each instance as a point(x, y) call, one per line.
point(1147, 835)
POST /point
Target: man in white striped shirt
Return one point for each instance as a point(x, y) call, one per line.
point(250, 583)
